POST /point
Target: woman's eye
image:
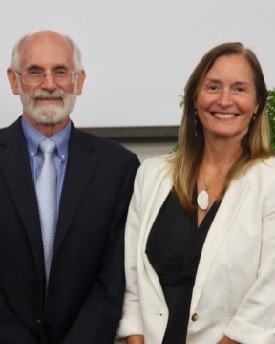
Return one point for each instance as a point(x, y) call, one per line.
point(239, 89)
point(212, 88)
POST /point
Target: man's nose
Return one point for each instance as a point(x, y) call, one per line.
point(48, 82)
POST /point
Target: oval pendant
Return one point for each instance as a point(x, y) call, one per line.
point(203, 200)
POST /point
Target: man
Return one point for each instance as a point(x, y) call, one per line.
point(61, 273)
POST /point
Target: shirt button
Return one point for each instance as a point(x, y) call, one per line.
point(195, 317)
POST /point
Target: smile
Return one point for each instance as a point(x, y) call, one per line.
point(224, 115)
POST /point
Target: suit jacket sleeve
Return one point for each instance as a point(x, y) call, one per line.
point(12, 328)
point(99, 315)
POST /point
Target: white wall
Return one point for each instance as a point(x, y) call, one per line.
point(137, 53)
point(145, 150)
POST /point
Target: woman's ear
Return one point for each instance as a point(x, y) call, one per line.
point(256, 109)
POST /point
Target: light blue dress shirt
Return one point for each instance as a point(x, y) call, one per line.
point(60, 156)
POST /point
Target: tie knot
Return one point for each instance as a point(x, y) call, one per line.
point(47, 146)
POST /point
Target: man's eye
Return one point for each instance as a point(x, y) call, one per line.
point(60, 72)
point(34, 72)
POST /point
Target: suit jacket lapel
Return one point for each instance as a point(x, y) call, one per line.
point(80, 170)
point(228, 210)
point(14, 162)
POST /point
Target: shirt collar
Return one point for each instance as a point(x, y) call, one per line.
point(34, 137)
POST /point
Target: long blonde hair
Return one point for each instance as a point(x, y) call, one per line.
point(256, 143)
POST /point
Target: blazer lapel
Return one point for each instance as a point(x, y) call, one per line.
point(80, 170)
point(228, 210)
point(14, 162)
point(158, 195)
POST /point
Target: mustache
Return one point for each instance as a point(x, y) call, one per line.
point(43, 94)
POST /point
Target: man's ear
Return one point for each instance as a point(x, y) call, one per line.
point(80, 82)
point(13, 81)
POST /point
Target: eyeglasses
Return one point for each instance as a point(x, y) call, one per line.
point(35, 78)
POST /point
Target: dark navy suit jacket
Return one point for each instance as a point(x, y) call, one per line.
point(86, 286)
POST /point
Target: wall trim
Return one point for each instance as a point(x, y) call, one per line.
point(136, 134)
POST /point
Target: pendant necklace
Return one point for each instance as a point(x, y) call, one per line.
point(203, 197)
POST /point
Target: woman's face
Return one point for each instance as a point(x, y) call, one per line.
point(227, 98)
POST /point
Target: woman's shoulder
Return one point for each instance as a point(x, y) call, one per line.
point(158, 163)
point(267, 164)
point(153, 170)
point(263, 169)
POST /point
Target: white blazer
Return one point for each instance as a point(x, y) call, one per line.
point(234, 292)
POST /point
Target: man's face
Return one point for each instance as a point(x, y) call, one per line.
point(48, 102)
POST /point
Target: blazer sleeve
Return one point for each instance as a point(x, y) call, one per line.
point(131, 322)
point(99, 315)
point(254, 321)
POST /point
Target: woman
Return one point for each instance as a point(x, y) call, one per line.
point(200, 235)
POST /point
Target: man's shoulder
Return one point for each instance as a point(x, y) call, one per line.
point(102, 145)
point(11, 132)
point(14, 125)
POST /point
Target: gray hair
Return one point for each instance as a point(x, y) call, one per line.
point(16, 54)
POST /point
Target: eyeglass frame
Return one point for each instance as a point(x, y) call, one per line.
point(41, 74)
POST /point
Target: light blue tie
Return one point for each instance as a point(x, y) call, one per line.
point(45, 188)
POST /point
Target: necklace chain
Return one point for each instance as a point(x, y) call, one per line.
point(205, 185)
point(203, 196)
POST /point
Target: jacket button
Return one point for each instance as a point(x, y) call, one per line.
point(195, 317)
point(38, 321)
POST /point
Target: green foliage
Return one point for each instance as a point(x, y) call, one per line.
point(181, 101)
point(271, 115)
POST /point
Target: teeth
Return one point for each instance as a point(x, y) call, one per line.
point(224, 115)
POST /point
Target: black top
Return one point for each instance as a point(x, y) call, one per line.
point(174, 248)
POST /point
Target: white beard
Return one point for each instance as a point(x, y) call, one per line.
point(47, 114)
